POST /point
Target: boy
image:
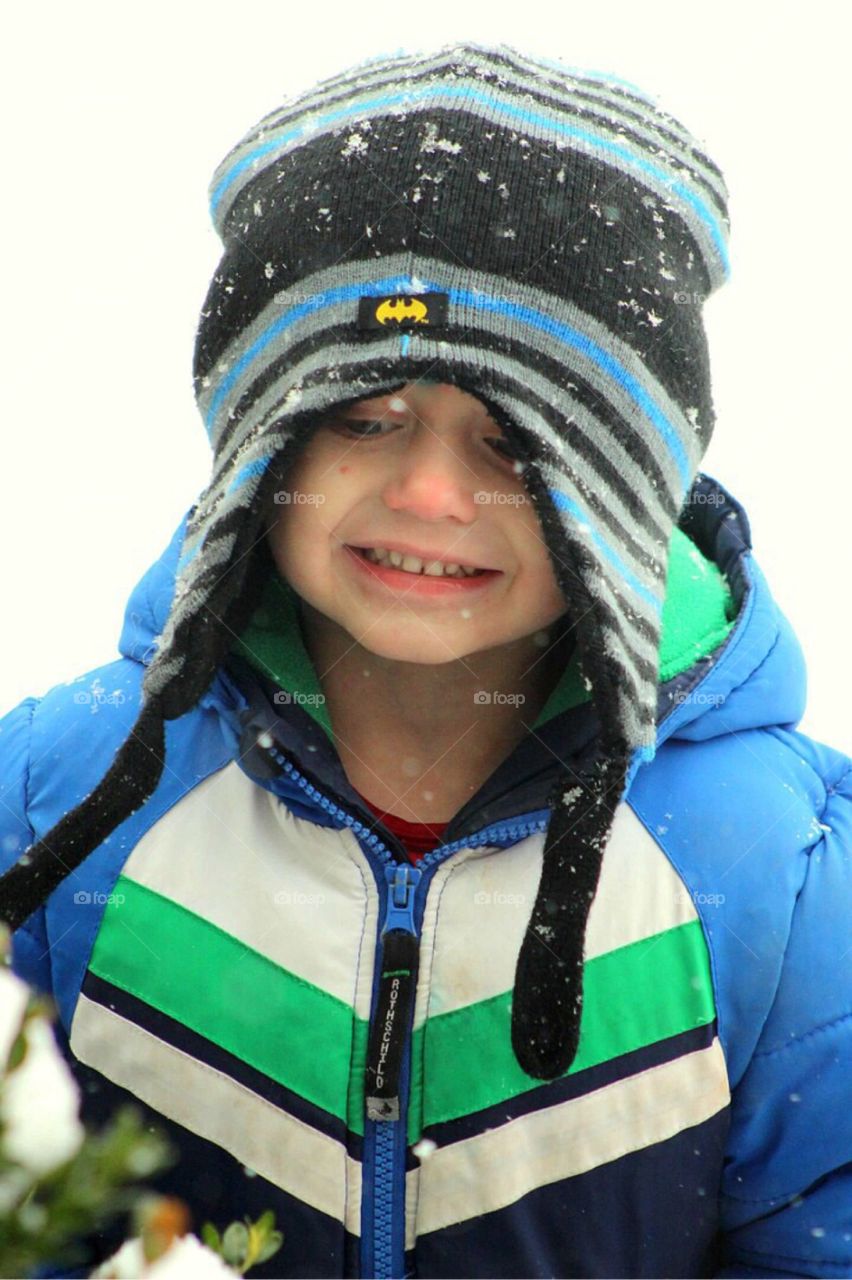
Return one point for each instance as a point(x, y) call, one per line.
point(365, 631)
point(451, 877)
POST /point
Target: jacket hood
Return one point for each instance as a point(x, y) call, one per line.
point(729, 661)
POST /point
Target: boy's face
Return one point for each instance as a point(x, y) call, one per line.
point(421, 467)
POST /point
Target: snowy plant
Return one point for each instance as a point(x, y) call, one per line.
point(60, 1184)
point(57, 1183)
point(35, 1138)
point(163, 1252)
point(186, 1257)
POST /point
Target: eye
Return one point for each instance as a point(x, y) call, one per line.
point(361, 429)
point(353, 424)
point(505, 448)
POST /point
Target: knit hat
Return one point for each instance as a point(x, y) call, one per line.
point(540, 236)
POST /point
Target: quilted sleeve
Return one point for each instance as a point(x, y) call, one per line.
point(786, 1195)
point(30, 950)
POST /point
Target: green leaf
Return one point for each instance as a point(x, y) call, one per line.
point(18, 1051)
point(271, 1245)
point(235, 1243)
point(210, 1236)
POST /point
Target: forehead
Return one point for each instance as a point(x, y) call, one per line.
point(425, 395)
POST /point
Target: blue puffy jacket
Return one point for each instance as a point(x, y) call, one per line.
point(217, 959)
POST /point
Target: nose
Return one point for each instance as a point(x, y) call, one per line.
point(433, 480)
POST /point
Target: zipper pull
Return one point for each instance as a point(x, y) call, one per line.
point(402, 880)
point(399, 959)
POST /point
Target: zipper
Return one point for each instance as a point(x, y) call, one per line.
point(397, 981)
point(387, 1072)
point(389, 1039)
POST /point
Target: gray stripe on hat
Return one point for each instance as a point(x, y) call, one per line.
point(639, 114)
point(646, 563)
point(188, 599)
point(658, 179)
point(567, 93)
point(585, 471)
point(609, 584)
point(650, 125)
point(417, 62)
point(619, 644)
point(447, 277)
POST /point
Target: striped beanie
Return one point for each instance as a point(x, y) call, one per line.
point(540, 236)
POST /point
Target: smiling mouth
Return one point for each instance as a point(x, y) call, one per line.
point(451, 570)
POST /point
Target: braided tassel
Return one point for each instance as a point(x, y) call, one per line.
point(548, 994)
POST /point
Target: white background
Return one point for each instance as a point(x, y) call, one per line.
point(113, 120)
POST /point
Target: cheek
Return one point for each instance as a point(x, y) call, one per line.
point(302, 535)
point(540, 566)
point(293, 538)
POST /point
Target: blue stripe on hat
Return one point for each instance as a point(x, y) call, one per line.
point(404, 285)
point(585, 525)
point(356, 108)
point(393, 284)
point(601, 357)
point(255, 468)
point(188, 558)
point(584, 73)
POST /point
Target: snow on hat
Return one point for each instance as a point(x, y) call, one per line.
point(540, 236)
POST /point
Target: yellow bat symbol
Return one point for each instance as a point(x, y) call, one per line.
point(401, 308)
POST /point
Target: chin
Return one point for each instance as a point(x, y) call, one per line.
point(414, 643)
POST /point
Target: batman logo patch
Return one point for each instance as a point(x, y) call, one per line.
point(402, 311)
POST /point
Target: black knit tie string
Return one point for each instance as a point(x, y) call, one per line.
point(548, 993)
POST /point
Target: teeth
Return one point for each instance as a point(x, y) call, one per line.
point(413, 564)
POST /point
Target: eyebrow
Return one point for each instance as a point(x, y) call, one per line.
point(375, 404)
point(380, 406)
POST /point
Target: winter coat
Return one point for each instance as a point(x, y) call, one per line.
point(219, 959)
